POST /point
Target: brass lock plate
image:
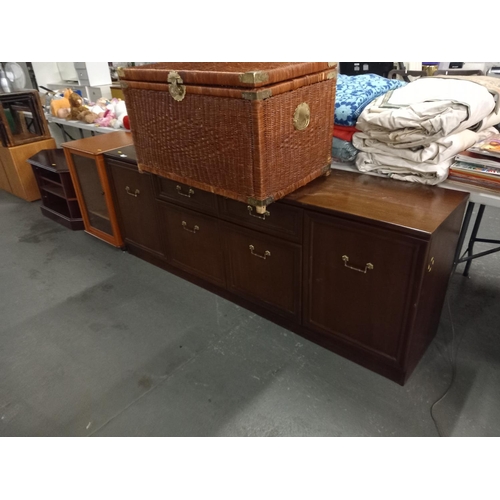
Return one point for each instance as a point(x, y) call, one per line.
point(176, 89)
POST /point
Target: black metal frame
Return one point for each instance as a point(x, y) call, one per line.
point(472, 240)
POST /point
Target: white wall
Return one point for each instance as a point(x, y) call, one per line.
point(46, 72)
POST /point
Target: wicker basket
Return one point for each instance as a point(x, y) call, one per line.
point(253, 132)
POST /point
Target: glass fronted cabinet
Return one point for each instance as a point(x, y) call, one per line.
point(87, 168)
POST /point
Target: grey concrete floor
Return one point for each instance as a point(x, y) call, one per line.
point(94, 341)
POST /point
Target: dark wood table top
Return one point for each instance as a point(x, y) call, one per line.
point(101, 143)
point(50, 159)
point(414, 208)
point(126, 154)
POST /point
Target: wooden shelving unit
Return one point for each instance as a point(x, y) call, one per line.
point(59, 201)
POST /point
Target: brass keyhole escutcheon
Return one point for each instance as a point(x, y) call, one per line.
point(302, 116)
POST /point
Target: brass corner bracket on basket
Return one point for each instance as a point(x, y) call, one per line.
point(258, 95)
point(332, 75)
point(260, 205)
point(254, 77)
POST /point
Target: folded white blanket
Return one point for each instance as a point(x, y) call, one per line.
point(424, 173)
point(425, 110)
point(435, 152)
point(427, 165)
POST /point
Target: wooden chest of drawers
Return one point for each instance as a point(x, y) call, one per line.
point(357, 264)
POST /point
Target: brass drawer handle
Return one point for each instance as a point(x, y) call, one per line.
point(180, 193)
point(267, 253)
point(368, 266)
point(136, 193)
point(263, 216)
point(184, 226)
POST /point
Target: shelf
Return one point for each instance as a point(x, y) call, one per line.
point(47, 179)
point(55, 190)
point(56, 204)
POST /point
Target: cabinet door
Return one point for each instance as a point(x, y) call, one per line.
point(194, 243)
point(136, 207)
point(94, 197)
point(360, 283)
point(263, 269)
point(93, 191)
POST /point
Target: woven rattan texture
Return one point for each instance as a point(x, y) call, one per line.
point(202, 138)
point(289, 156)
point(237, 148)
point(217, 73)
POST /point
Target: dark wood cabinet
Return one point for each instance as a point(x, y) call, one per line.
point(59, 201)
point(263, 269)
point(355, 263)
point(360, 283)
point(194, 243)
point(134, 201)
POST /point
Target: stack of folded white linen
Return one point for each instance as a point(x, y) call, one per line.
point(413, 133)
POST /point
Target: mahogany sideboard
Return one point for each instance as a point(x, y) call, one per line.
point(355, 263)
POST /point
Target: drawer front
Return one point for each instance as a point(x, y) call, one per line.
point(263, 269)
point(82, 75)
point(136, 206)
point(361, 283)
point(280, 219)
point(182, 194)
point(194, 243)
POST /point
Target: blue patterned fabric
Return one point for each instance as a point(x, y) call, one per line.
point(354, 93)
point(343, 151)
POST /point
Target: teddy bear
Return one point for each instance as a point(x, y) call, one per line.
point(76, 107)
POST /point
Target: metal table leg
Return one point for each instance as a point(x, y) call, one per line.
point(468, 256)
point(472, 239)
point(463, 231)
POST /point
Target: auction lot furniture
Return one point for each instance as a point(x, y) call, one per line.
point(355, 263)
point(59, 200)
point(86, 165)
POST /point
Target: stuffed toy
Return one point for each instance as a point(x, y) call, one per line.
point(114, 116)
point(76, 106)
point(87, 116)
point(108, 119)
point(60, 107)
point(121, 115)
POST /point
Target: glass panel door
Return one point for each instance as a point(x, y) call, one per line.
point(93, 193)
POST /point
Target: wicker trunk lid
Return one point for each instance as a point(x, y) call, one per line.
point(253, 132)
